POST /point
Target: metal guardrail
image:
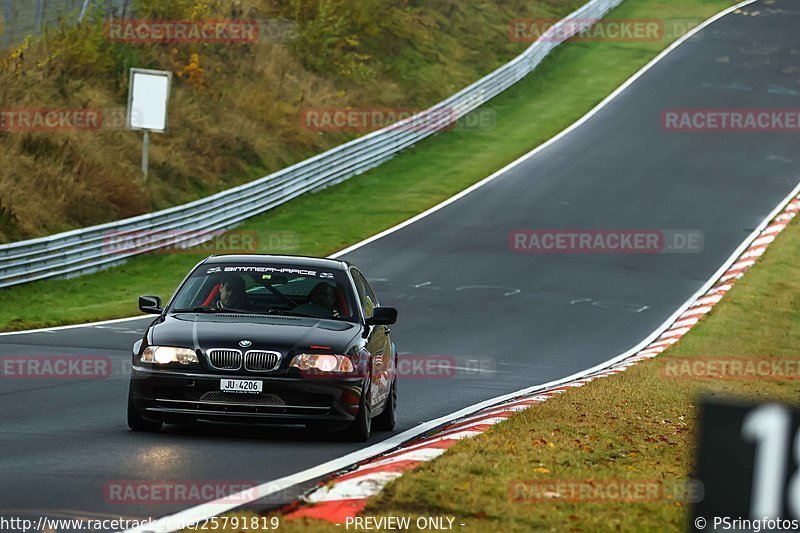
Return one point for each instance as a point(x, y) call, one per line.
point(30, 17)
point(88, 249)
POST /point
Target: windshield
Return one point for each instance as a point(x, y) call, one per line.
point(275, 289)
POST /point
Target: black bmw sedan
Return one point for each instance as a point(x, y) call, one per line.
point(268, 339)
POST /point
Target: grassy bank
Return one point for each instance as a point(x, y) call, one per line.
point(638, 425)
point(523, 117)
point(236, 107)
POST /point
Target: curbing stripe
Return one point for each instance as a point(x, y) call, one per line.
point(346, 495)
point(391, 444)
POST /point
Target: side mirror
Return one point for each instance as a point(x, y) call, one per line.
point(150, 304)
point(382, 316)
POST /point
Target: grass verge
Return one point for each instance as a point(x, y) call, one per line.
point(638, 425)
point(236, 108)
point(525, 116)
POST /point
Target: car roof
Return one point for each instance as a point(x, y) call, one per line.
point(292, 260)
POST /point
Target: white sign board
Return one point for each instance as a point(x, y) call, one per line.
point(148, 99)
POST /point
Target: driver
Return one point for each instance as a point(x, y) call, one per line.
point(232, 294)
point(321, 296)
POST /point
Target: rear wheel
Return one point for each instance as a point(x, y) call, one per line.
point(388, 418)
point(135, 420)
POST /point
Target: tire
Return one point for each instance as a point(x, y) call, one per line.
point(360, 429)
point(388, 418)
point(136, 422)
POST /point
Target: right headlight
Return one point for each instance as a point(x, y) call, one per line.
point(323, 363)
point(168, 354)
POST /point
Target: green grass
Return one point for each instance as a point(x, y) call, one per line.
point(637, 425)
point(573, 79)
point(236, 115)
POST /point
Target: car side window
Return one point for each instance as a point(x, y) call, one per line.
point(365, 293)
point(250, 283)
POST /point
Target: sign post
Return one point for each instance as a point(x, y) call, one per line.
point(148, 103)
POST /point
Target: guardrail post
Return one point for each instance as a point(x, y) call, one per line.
point(85, 250)
point(83, 10)
point(39, 17)
point(7, 12)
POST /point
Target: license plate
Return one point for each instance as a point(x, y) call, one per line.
point(241, 385)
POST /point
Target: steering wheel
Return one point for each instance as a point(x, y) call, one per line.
point(319, 311)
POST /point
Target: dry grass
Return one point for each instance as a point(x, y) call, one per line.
point(242, 121)
point(639, 425)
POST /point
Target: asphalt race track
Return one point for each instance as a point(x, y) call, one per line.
point(522, 318)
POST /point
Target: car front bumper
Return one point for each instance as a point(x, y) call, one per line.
point(177, 397)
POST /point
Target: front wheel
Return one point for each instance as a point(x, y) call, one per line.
point(360, 429)
point(135, 420)
point(388, 418)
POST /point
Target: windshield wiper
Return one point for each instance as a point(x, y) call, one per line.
point(288, 313)
point(198, 309)
point(272, 312)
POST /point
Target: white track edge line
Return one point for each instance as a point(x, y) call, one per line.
point(72, 326)
point(482, 182)
point(214, 508)
point(591, 113)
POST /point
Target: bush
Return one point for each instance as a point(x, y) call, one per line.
point(327, 40)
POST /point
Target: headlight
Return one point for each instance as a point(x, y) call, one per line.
point(323, 363)
point(167, 354)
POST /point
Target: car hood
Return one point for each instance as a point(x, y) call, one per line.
point(281, 334)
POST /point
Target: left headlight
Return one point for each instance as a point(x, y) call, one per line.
point(167, 354)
